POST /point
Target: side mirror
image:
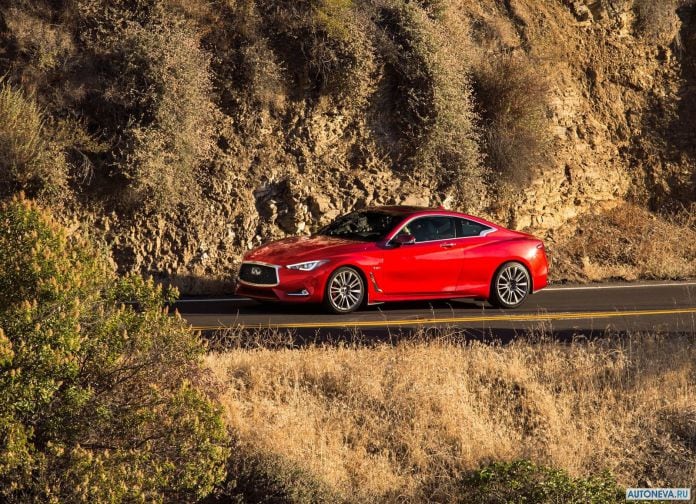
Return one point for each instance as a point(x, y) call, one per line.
point(404, 239)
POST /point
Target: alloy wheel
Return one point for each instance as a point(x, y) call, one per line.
point(345, 291)
point(512, 284)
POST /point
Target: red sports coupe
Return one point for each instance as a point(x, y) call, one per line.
point(397, 253)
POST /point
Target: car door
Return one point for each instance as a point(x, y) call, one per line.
point(429, 266)
point(475, 258)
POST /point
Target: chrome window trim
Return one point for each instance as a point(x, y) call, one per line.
point(261, 263)
point(483, 233)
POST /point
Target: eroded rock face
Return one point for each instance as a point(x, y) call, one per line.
point(614, 93)
point(290, 159)
point(611, 91)
point(607, 85)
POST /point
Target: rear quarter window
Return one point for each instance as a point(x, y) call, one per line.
point(466, 227)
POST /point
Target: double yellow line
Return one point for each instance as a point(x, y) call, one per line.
point(530, 317)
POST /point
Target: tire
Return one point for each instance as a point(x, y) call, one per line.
point(510, 286)
point(345, 291)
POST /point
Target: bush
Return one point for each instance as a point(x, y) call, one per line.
point(157, 85)
point(45, 45)
point(522, 481)
point(169, 143)
point(98, 401)
point(432, 102)
point(320, 42)
point(408, 56)
point(512, 96)
point(256, 478)
point(657, 21)
point(28, 161)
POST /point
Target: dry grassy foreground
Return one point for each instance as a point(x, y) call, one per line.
point(403, 422)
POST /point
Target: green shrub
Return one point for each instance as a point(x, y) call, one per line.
point(98, 401)
point(28, 161)
point(522, 481)
point(269, 478)
point(513, 97)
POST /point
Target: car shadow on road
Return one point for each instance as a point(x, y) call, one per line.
point(249, 307)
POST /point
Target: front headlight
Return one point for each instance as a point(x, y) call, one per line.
point(307, 266)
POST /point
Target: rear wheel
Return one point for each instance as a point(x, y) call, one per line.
point(511, 285)
point(345, 291)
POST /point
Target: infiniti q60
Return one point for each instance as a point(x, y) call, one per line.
point(397, 253)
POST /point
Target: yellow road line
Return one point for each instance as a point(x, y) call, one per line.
point(530, 317)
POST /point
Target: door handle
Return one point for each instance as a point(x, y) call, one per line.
point(447, 245)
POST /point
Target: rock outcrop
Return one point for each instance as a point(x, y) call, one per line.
point(299, 141)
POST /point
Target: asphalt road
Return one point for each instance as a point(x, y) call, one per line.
point(667, 307)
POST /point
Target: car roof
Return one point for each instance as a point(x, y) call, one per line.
point(407, 210)
point(411, 211)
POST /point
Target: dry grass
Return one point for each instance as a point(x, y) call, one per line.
point(629, 243)
point(406, 422)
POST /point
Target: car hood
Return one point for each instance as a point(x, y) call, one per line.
point(304, 248)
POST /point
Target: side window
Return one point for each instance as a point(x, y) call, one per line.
point(465, 227)
point(431, 228)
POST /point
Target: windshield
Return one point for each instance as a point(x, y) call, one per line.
point(368, 225)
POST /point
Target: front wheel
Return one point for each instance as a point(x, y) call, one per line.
point(345, 291)
point(511, 286)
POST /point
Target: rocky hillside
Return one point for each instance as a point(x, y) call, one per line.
point(186, 132)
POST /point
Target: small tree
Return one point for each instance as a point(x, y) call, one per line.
point(98, 400)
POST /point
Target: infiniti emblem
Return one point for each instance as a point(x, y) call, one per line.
point(255, 271)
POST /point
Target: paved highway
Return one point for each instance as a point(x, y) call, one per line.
point(668, 307)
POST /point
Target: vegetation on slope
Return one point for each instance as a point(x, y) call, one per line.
point(99, 402)
point(191, 130)
point(139, 77)
point(628, 243)
point(28, 160)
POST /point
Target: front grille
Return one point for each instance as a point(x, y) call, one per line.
point(258, 274)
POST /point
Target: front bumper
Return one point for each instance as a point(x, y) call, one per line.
point(293, 286)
